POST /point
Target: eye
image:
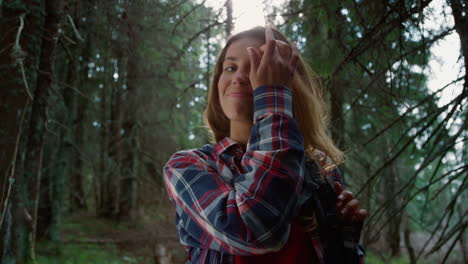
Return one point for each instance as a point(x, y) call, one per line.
point(230, 68)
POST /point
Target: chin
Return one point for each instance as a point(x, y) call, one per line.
point(239, 113)
point(241, 117)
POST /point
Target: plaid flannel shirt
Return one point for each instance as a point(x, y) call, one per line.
point(230, 202)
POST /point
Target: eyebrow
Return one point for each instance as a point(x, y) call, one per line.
point(230, 58)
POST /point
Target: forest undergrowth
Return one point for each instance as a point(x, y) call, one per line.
point(87, 239)
point(90, 240)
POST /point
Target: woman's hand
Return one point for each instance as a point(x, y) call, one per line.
point(275, 65)
point(347, 207)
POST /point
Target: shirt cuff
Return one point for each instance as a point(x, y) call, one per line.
point(272, 99)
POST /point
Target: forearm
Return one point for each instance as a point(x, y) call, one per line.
point(252, 215)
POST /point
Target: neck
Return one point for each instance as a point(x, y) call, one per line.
point(240, 132)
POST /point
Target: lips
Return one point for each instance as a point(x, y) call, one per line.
point(239, 94)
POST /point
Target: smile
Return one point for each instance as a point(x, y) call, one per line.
point(239, 94)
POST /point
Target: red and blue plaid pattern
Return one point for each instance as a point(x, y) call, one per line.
point(234, 202)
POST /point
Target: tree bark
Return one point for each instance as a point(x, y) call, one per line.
point(76, 104)
point(130, 146)
point(38, 123)
point(76, 190)
point(407, 238)
point(105, 207)
point(21, 40)
point(115, 140)
point(390, 186)
point(337, 82)
point(229, 20)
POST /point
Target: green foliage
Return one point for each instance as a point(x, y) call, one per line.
point(374, 259)
point(374, 55)
point(58, 253)
point(371, 55)
point(75, 252)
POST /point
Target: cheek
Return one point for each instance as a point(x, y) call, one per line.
point(222, 83)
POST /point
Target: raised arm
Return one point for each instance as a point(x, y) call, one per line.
point(251, 216)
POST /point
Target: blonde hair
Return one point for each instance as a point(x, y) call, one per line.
point(309, 108)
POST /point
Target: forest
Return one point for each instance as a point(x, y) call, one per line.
point(95, 96)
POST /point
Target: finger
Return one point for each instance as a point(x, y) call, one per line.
point(294, 57)
point(261, 50)
point(343, 199)
point(254, 61)
point(338, 188)
point(270, 43)
point(350, 209)
point(254, 58)
point(359, 216)
point(362, 215)
point(284, 49)
point(269, 34)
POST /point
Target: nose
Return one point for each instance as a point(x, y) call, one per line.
point(241, 77)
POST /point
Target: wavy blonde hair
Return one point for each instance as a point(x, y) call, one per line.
point(309, 108)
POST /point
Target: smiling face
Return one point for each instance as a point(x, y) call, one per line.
point(234, 88)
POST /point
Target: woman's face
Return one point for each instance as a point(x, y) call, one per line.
point(234, 88)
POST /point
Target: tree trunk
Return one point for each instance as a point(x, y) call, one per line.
point(128, 182)
point(463, 248)
point(407, 237)
point(21, 36)
point(105, 205)
point(108, 169)
point(115, 144)
point(38, 123)
point(391, 181)
point(459, 12)
point(14, 102)
point(76, 190)
point(229, 21)
point(208, 59)
point(337, 83)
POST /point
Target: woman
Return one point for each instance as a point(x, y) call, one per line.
point(261, 192)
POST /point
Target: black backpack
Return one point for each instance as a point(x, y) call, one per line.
point(340, 241)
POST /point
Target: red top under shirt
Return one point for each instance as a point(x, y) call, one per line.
point(298, 250)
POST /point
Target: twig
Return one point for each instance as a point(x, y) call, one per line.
point(184, 16)
point(457, 100)
point(409, 110)
point(69, 39)
point(25, 81)
point(19, 54)
point(77, 33)
point(13, 163)
point(460, 235)
point(405, 203)
point(18, 34)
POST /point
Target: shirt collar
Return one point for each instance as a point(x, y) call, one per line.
point(225, 144)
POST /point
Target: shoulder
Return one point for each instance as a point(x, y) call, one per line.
point(203, 152)
point(197, 155)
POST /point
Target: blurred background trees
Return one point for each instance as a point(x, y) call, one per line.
point(96, 95)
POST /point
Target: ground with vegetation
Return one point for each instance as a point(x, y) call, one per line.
point(87, 239)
